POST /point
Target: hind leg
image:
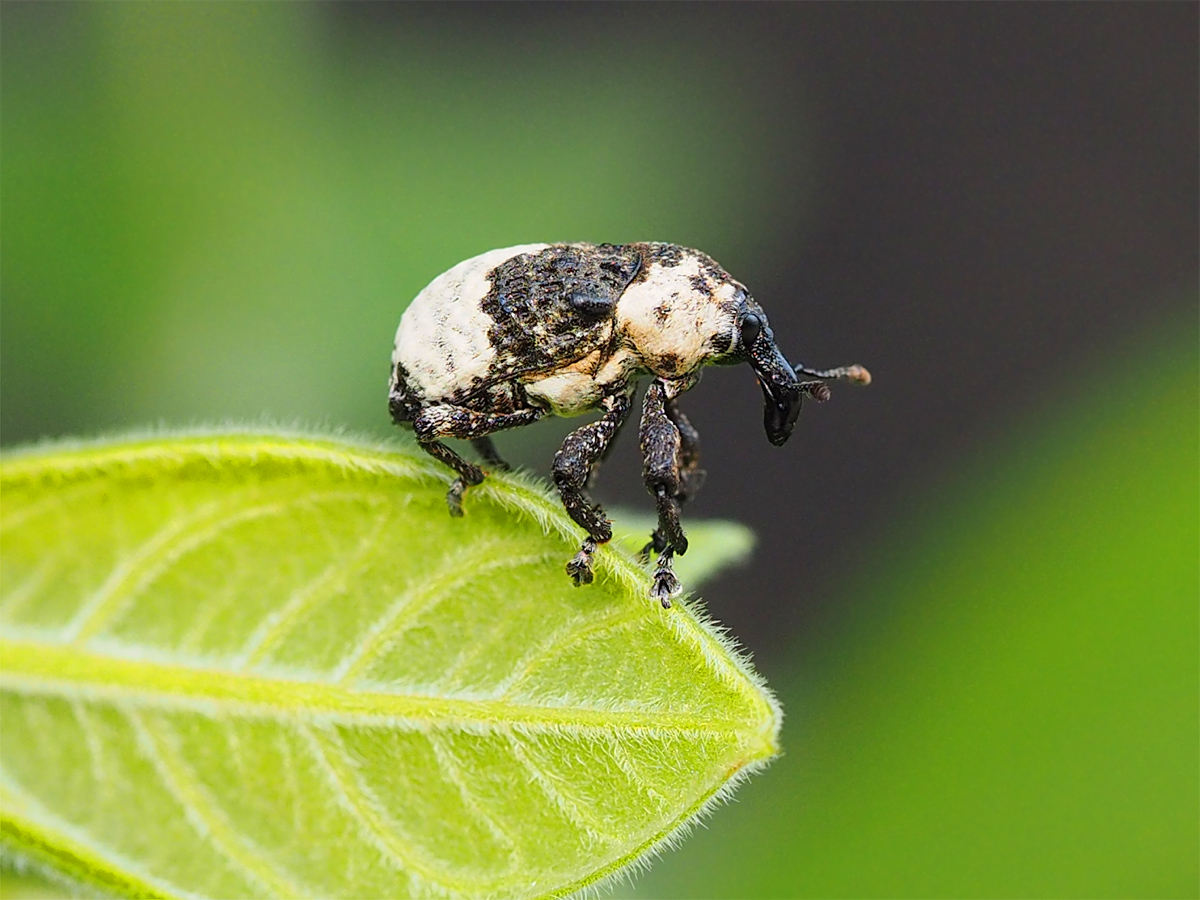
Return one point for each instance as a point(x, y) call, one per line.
point(457, 421)
point(468, 473)
point(490, 455)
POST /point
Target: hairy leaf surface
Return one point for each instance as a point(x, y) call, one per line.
point(245, 665)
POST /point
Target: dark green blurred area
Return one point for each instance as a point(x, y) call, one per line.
point(219, 211)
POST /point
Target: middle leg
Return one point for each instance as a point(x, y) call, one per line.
point(573, 465)
point(662, 453)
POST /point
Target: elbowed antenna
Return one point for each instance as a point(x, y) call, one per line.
point(856, 373)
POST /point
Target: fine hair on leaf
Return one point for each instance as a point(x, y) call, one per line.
point(266, 664)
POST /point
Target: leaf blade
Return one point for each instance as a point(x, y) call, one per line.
point(286, 656)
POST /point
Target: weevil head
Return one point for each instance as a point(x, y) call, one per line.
point(782, 394)
point(683, 312)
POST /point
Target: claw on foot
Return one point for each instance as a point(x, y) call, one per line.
point(666, 585)
point(454, 497)
point(580, 566)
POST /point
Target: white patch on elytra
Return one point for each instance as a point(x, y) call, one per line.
point(669, 321)
point(566, 393)
point(443, 335)
point(573, 389)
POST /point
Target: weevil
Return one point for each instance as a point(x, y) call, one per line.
point(510, 336)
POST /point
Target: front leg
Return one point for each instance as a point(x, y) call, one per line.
point(661, 443)
point(691, 476)
point(446, 420)
point(573, 465)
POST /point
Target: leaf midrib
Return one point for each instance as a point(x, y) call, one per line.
point(35, 667)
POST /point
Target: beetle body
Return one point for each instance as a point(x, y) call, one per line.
point(512, 335)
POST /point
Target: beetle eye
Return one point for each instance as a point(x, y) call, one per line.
point(751, 328)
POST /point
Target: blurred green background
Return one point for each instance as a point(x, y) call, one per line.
point(977, 584)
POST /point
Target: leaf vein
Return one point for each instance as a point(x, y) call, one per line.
point(214, 605)
point(569, 808)
point(92, 741)
point(171, 542)
point(58, 500)
point(14, 600)
point(203, 814)
point(451, 769)
point(455, 569)
point(333, 760)
point(275, 627)
point(30, 815)
point(560, 642)
point(38, 669)
point(108, 600)
point(621, 757)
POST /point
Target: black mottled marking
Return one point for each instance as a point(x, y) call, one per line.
point(662, 312)
point(501, 398)
point(468, 473)
point(517, 396)
point(404, 402)
point(668, 364)
point(712, 270)
point(703, 285)
point(691, 476)
point(719, 344)
point(660, 442)
point(705, 282)
point(659, 438)
point(593, 305)
point(447, 420)
point(551, 308)
point(653, 253)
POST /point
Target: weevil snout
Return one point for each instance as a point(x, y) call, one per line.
point(782, 392)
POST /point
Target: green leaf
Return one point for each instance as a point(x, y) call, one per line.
point(32, 884)
point(712, 546)
point(246, 665)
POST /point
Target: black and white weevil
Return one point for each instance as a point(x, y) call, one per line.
point(513, 335)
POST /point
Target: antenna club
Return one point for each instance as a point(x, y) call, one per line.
point(858, 374)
